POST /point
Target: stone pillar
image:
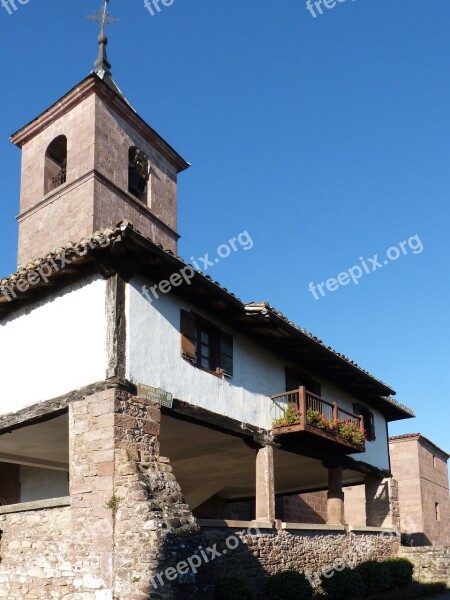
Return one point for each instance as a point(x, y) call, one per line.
point(265, 485)
point(394, 504)
point(150, 509)
point(378, 502)
point(335, 504)
point(91, 434)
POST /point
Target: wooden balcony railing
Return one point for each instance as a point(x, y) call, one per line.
point(304, 402)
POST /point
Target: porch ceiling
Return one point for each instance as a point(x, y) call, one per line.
point(42, 445)
point(207, 462)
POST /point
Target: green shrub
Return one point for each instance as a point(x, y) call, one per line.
point(406, 540)
point(376, 577)
point(232, 588)
point(288, 585)
point(343, 585)
point(401, 570)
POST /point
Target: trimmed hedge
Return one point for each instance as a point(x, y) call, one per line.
point(232, 588)
point(376, 577)
point(402, 571)
point(288, 585)
point(343, 585)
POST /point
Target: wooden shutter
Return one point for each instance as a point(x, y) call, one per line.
point(187, 329)
point(226, 353)
point(369, 421)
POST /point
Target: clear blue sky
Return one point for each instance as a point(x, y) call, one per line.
point(328, 139)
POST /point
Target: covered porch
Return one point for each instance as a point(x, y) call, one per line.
point(34, 462)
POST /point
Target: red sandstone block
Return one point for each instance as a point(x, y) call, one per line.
point(150, 428)
point(106, 468)
point(125, 421)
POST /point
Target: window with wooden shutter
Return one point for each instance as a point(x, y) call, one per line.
point(205, 345)
point(369, 421)
point(188, 336)
point(226, 353)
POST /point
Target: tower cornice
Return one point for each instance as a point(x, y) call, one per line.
point(93, 84)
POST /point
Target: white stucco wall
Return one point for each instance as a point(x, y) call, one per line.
point(53, 347)
point(154, 358)
point(377, 452)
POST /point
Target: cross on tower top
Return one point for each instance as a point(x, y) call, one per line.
point(102, 65)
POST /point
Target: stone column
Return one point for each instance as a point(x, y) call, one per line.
point(91, 547)
point(265, 485)
point(125, 499)
point(335, 503)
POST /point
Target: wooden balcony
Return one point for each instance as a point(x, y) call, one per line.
point(320, 422)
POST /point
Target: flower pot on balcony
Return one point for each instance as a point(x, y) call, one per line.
point(279, 428)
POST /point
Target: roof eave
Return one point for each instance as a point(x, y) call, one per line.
point(154, 261)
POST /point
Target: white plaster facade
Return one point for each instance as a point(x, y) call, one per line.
point(65, 337)
point(54, 346)
point(154, 358)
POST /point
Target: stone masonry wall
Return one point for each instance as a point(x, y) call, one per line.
point(253, 556)
point(431, 564)
point(435, 495)
point(114, 137)
point(149, 498)
point(422, 474)
point(303, 508)
point(68, 216)
point(34, 551)
point(355, 505)
point(382, 505)
point(405, 468)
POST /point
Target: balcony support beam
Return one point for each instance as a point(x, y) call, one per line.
point(265, 485)
point(335, 499)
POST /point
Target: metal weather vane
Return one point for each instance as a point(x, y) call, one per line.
point(102, 65)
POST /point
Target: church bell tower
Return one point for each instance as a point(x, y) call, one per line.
point(90, 161)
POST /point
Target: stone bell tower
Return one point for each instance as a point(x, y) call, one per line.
point(90, 161)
